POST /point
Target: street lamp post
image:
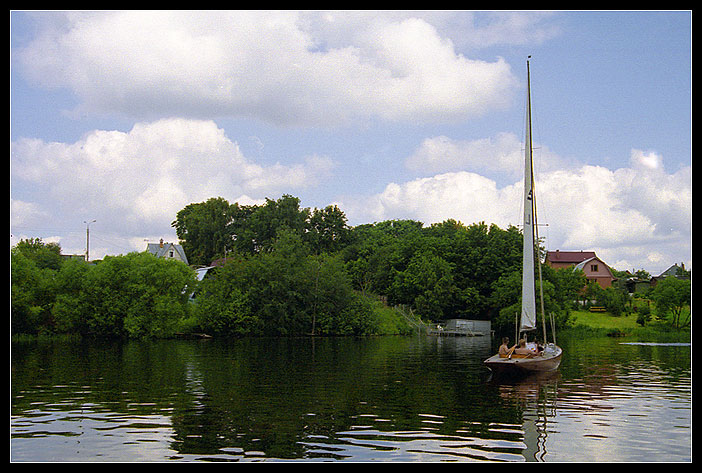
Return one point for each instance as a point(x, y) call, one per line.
point(87, 240)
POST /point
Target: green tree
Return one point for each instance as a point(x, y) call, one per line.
point(136, 295)
point(260, 230)
point(614, 300)
point(222, 307)
point(428, 284)
point(332, 301)
point(33, 285)
point(644, 315)
point(373, 254)
point(567, 284)
point(385, 259)
point(44, 255)
point(67, 309)
point(327, 230)
point(286, 291)
point(27, 301)
point(673, 297)
point(207, 229)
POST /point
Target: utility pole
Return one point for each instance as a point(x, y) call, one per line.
point(87, 240)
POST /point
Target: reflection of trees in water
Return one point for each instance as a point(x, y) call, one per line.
point(323, 398)
point(421, 398)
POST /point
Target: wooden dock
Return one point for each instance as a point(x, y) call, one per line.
point(455, 333)
point(461, 328)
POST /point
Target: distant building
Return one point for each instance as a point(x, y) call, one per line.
point(75, 257)
point(564, 259)
point(596, 271)
point(675, 271)
point(594, 268)
point(167, 250)
point(635, 284)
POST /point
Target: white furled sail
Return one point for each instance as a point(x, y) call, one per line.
point(528, 318)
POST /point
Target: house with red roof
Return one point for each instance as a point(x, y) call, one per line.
point(594, 268)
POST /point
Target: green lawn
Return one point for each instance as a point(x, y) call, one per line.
point(603, 320)
point(603, 323)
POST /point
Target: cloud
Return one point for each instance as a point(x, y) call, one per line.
point(464, 196)
point(281, 67)
point(467, 29)
point(137, 181)
point(25, 213)
point(638, 216)
point(441, 154)
point(502, 155)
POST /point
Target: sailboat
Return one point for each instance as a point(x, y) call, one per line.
point(546, 357)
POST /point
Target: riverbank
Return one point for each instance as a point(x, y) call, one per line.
point(584, 323)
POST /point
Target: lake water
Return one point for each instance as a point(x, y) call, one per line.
point(410, 399)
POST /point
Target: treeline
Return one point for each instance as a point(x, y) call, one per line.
point(443, 271)
point(283, 270)
point(135, 296)
point(284, 291)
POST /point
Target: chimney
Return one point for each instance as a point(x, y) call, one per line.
point(160, 243)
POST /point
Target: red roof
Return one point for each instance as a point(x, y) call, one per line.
point(569, 257)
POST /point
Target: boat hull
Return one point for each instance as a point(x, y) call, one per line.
point(549, 361)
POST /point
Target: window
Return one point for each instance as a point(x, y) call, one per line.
point(593, 268)
point(170, 254)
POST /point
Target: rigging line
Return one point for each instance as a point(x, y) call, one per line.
point(537, 156)
point(113, 243)
point(533, 203)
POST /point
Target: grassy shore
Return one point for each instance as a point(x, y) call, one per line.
point(602, 323)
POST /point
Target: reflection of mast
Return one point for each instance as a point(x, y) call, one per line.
point(535, 434)
point(537, 394)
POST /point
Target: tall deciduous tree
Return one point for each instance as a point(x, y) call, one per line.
point(207, 229)
point(673, 296)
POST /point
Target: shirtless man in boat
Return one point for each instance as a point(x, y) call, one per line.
point(505, 350)
point(523, 350)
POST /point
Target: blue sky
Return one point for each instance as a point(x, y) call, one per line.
point(126, 117)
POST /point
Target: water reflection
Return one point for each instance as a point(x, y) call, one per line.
point(635, 410)
point(535, 395)
point(383, 399)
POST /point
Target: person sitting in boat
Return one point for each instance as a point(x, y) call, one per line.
point(505, 350)
point(523, 350)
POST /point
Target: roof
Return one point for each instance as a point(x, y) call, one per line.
point(202, 272)
point(672, 271)
point(161, 250)
point(583, 264)
point(669, 272)
point(569, 257)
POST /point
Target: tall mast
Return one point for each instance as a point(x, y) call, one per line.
point(528, 317)
point(535, 225)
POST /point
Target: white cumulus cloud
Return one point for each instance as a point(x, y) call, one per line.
point(279, 66)
point(139, 180)
point(502, 154)
point(637, 216)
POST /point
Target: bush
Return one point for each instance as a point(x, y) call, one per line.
point(137, 295)
point(286, 291)
point(644, 315)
